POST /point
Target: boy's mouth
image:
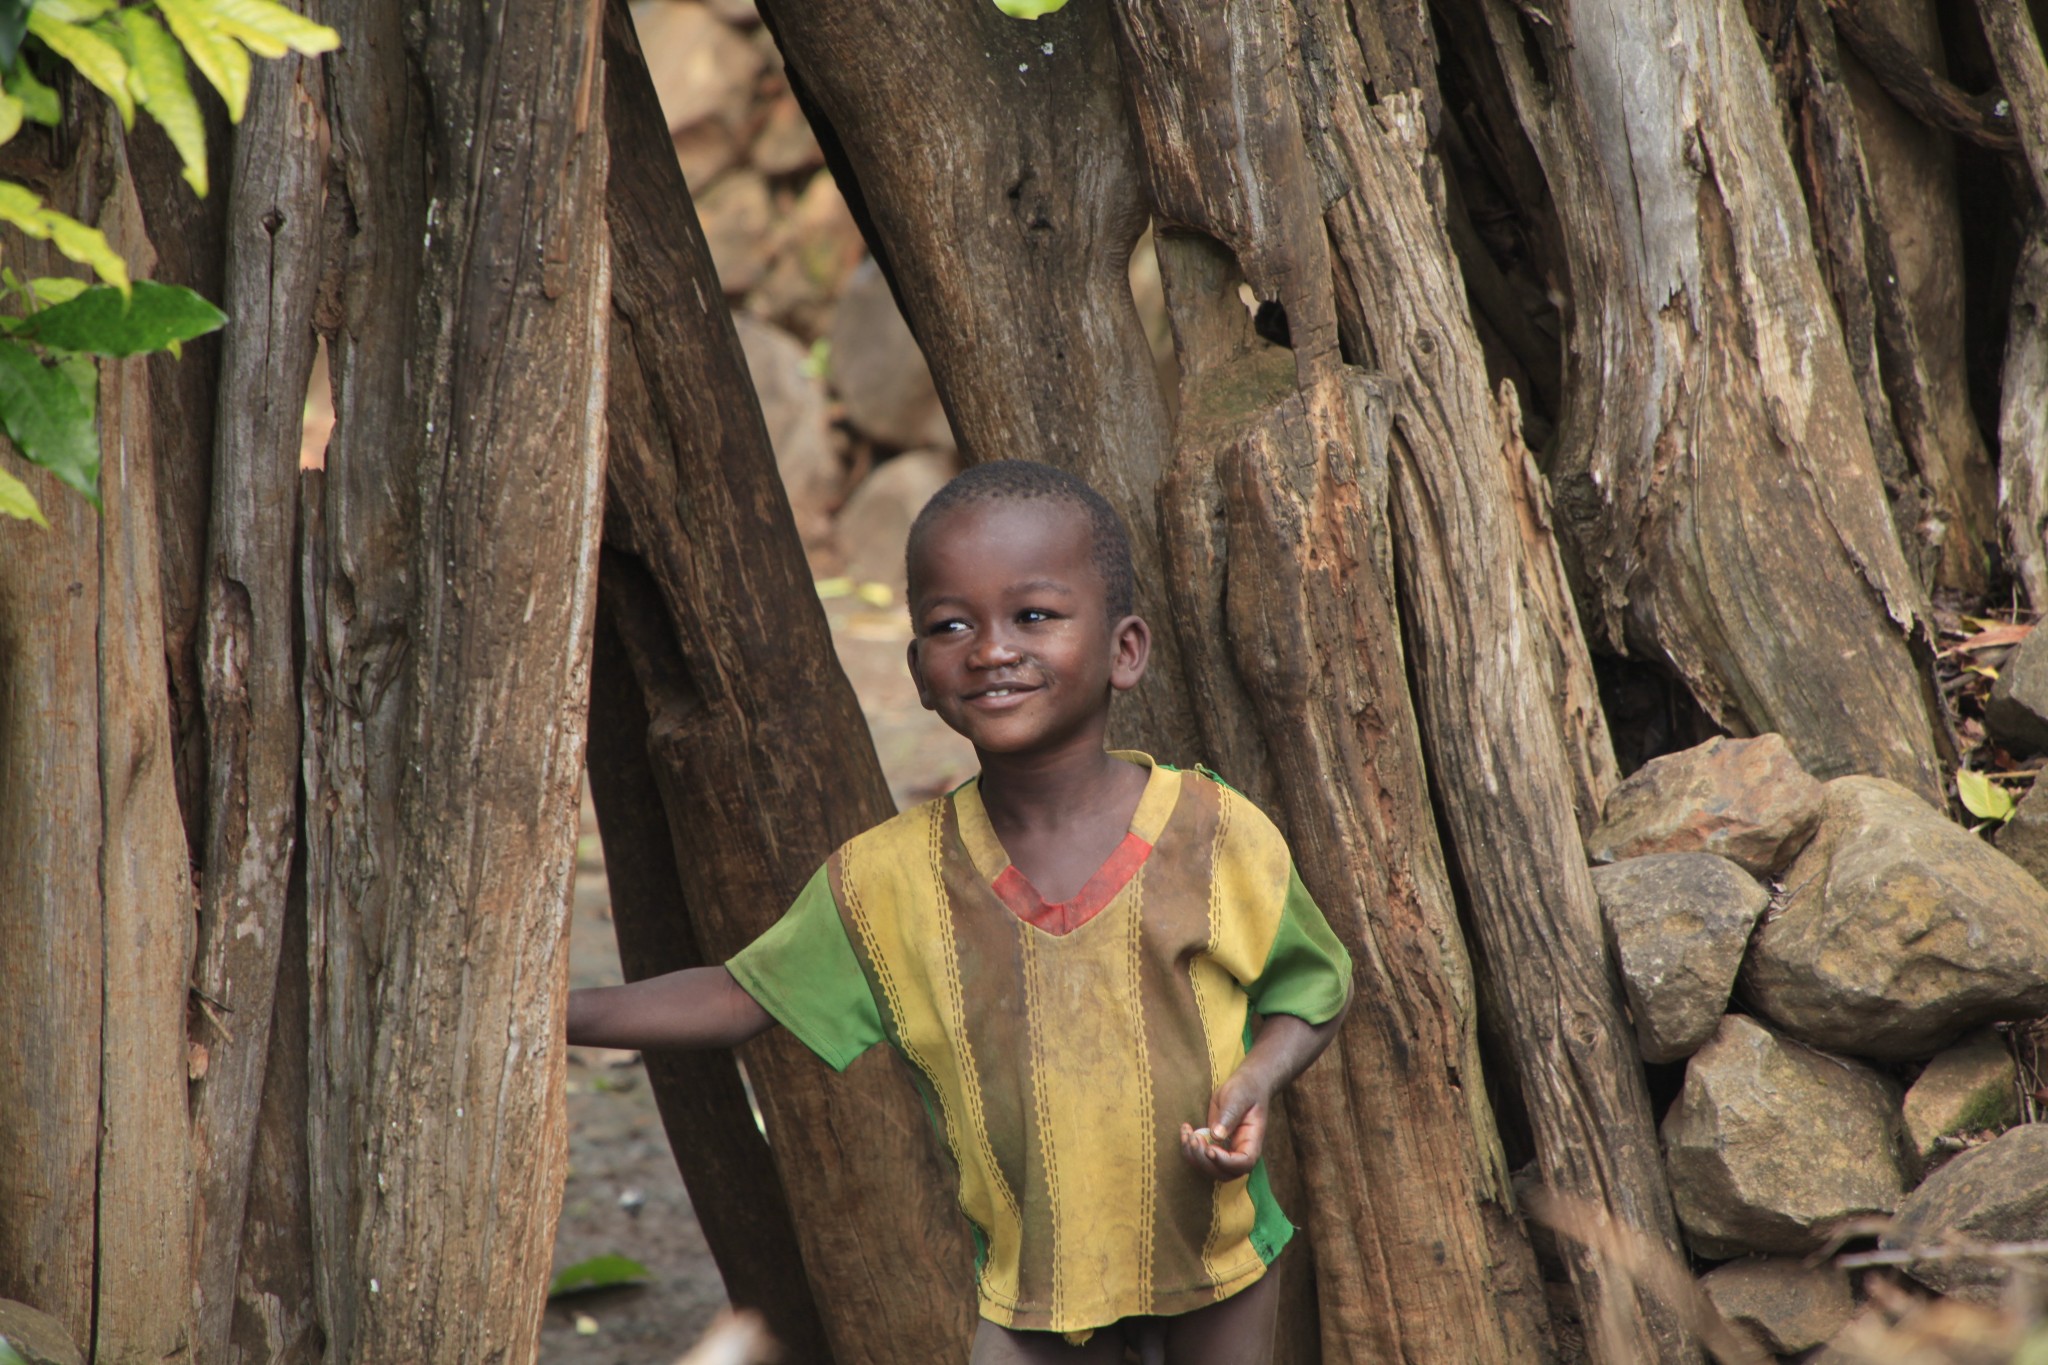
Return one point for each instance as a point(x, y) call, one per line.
point(1007, 694)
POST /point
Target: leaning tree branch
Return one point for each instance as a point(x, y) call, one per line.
point(1985, 119)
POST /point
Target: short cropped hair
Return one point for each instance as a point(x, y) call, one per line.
point(1030, 481)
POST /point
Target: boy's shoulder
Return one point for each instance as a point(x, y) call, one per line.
point(911, 827)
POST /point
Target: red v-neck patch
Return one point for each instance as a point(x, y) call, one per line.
point(1064, 917)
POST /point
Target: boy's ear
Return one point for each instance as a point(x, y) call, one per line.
point(924, 696)
point(1133, 643)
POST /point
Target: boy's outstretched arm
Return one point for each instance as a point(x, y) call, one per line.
point(697, 1007)
point(1236, 1132)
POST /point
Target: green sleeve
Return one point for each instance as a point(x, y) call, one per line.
point(1307, 972)
point(803, 972)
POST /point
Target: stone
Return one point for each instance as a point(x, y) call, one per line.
point(1994, 1193)
point(701, 68)
point(1786, 1304)
point(785, 144)
point(1900, 931)
point(1770, 1144)
point(878, 370)
point(1968, 1088)
point(2017, 712)
point(816, 251)
point(1745, 799)
point(2024, 838)
point(37, 1337)
point(1680, 923)
point(704, 151)
point(738, 13)
point(738, 219)
point(799, 426)
point(876, 519)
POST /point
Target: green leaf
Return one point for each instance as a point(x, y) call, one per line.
point(17, 502)
point(11, 113)
point(75, 11)
point(96, 59)
point(1029, 9)
point(166, 94)
point(599, 1272)
point(38, 101)
point(50, 289)
point(13, 24)
point(86, 245)
point(268, 29)
point(48, 420)
point(8, 1355)
point(1984, 798)
point(100, 322)
point(223, 61)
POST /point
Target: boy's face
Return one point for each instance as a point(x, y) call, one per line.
point(1014, 647)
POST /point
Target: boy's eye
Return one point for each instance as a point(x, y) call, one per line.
point(1031, 616)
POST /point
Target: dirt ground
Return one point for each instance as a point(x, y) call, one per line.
point(623, 1194)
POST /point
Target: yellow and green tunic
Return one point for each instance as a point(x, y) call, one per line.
point(1059, 1047)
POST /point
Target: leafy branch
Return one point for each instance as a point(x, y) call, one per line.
point(52, 327)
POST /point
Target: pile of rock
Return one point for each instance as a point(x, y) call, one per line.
point(856, 423)
point(1833, 963)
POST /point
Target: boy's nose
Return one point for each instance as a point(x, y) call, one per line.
point(994, 650)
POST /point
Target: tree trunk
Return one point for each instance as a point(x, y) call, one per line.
point(758, 747)
point(1488, 674)
point(993, 167)
point(143, 1294)
point(2016, 48)
point(246, 655)
point(1276, 540)
point(726, 1163)
point(1714, 474)
point(189, 235)
point(98, 1190)
point(450, 586)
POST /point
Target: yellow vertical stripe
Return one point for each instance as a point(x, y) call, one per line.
point(1147, 1188)
point(1087, 1043)
point(1222, 1005)
point(903, 862)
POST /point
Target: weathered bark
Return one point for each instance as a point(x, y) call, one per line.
point(275, 1316)
point(1986, 119)
point(1880, 187)
point(758, 747)
point(96, 1203)
point(2023, 424)
point(1503, 683)
point(142, 1295)
point(1713, 472)
point(450, 586)
point(2016, 49)
point(246, 655)
point(725, 1162)
point(356, 596)
point(50, 823)
point(1823, 132)
point(1281, 567)
point(1277, 546)
point(1917, 281)
point(1008, 238)
point(189, 235)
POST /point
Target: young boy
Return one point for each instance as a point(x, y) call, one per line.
point(1069, 950)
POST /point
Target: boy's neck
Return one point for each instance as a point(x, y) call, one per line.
point(1072, 784)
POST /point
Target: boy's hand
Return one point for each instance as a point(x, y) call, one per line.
point(1228, 1146)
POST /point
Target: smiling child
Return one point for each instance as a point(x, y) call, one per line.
point(1081, 954)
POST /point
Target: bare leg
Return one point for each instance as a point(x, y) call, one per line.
point(1237, 1331)
point(995, 1345)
